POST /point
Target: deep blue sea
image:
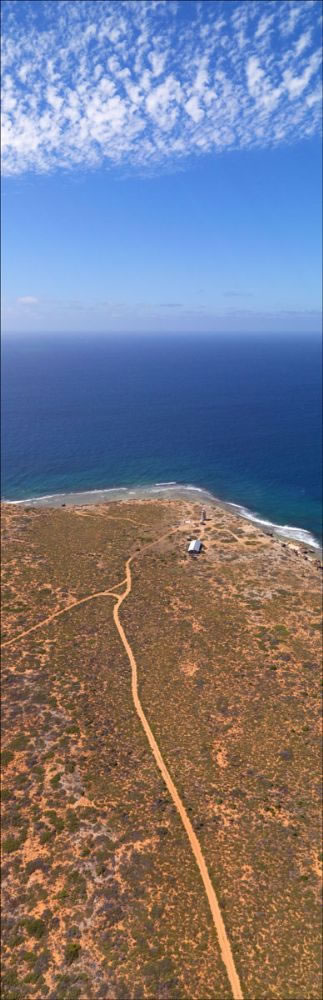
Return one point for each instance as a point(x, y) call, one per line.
point(238, 415)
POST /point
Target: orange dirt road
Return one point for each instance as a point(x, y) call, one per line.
point(223, 939)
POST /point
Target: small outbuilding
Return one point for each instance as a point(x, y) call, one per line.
point(194, 546)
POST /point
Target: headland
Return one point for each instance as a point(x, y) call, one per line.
point(105, 614)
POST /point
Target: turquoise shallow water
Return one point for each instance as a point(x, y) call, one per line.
point(238, 416)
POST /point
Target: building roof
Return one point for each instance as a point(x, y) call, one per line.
point(195, 545)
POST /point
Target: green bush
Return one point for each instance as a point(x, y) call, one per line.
point(72, 820)
point(55, 780)
point(35, 927)
point(55, 820)
point(72, 952)
point(11, 844)
point(19, 742)
point(46, 836)
point(5, 795)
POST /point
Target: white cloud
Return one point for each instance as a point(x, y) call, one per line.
point(255, 76)
point(193, 109)
point(162, 101)
point(157, 61)
point(296, 84)
point(133, 82)
point(264, 25)
point(27, 300)
point(303, 42)
point(292, 13)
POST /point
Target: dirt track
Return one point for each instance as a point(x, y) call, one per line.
point(223, 939)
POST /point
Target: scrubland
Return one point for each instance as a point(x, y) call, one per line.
point(101, 894)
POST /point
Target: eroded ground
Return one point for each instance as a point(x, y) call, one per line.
point(101, 895)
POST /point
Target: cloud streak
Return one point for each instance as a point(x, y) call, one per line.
point(238, 295)
point(27, 300)
point(116, 317)
point(147, 84)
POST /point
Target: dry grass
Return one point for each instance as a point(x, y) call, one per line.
point(101, 897)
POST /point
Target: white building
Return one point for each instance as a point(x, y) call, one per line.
point(195, 545)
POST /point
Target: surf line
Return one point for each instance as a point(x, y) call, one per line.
point(224, 943)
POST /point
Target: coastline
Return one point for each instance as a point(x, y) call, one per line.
point(170, 491)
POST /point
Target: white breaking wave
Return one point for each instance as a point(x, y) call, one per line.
point(177, 486)
point(111, 489)
point(287, 530)
point(48, 496)
point(76, 493)
point(198, 489)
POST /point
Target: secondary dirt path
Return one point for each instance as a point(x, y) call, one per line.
point(62, 611)
point(83, 600)
point(223, 939)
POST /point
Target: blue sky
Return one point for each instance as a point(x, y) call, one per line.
point(161, 166)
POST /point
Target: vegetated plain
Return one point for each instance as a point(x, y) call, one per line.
point(101, 894)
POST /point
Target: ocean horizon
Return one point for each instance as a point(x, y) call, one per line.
point(237, 416)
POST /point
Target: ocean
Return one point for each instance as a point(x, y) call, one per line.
point(238, 416)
